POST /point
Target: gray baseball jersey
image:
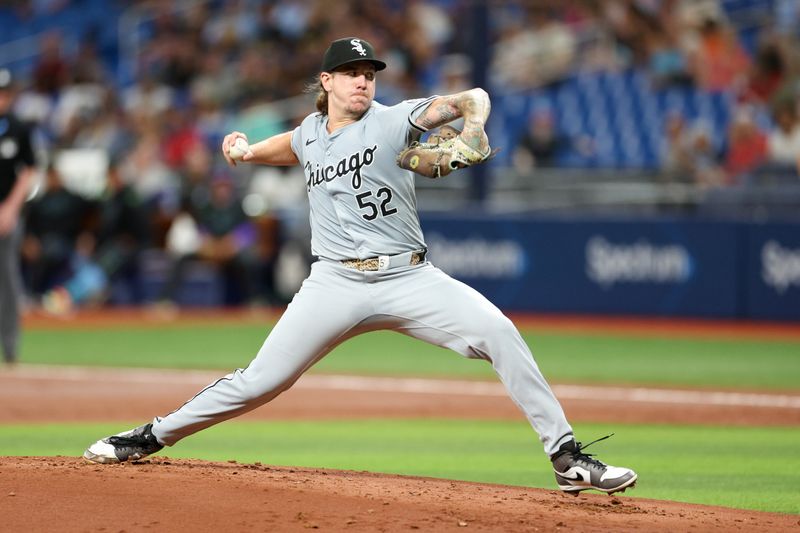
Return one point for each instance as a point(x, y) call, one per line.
point(362, 204)
point(363, 207)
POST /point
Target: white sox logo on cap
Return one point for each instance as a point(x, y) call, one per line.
point(358, 47)
point(348, 50)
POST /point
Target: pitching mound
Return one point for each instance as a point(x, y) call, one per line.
point(162, 494)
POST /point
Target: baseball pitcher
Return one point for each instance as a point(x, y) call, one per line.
point(371, 272)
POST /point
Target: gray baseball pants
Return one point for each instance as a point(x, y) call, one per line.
point(10, 294)
point(336, 303)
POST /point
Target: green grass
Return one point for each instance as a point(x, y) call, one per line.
point(588, 358)
point(750, 468)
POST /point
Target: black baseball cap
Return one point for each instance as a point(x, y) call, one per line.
point(6, 79)
point(349, 50)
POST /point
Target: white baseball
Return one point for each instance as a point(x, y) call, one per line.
point(239, 148)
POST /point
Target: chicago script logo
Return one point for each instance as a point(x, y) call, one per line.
point(317, 174)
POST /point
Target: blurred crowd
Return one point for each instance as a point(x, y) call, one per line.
point(751, 53)
point(198, 70)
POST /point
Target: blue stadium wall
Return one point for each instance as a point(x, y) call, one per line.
point(659, 267)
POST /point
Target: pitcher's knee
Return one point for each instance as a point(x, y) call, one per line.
point(263, 390)
point(495, 335)
point(498, 325)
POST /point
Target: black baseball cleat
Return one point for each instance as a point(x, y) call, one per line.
point(131, 445)
point(577, 471)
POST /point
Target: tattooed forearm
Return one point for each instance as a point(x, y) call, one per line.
point(475, 110)
point(441, 111)
point(473, 105)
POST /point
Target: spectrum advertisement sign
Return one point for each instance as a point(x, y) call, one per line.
point(773, 253)
point(665, 267)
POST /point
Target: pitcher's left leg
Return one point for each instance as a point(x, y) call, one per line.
point(438, 309)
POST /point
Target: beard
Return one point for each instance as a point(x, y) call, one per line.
point(358, 106)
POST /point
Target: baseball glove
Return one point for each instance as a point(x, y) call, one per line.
point(443, 152)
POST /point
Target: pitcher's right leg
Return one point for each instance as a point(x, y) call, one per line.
point(321, 315)
point(325, 312)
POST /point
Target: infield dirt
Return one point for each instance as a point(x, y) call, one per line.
point(163, 494)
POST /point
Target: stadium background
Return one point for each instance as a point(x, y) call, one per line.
point(641, 169)
point(651, 190)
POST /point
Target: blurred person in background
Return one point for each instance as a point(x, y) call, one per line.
point(216, 80)
point(109, 251)
point(187, 154)
point(55, 220)
point(51, 71)
point(87, 66)
point(105, 128)
point(717, 60)
point(16, 171)
point(535, 49)
point(147, 96)
point(172, 54)
point(666, 62)
point(707, 173)
point(225, 238)
point(181, 137)
point(784, 140)
point(542, 142)
point(767, 73)
point(747, 147)
point(232, 26)
point(144, 167)
point(632, 26)
point(690, 156)
point(455, 74)
point(676, 159)
point(269, 242)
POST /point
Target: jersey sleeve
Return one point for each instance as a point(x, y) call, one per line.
point(421, 105)
point(297, 142)
point(304, 131)
point(398, 122)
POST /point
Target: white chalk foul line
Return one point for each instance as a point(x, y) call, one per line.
point(564, 392)
point(415, 386)
point(733, 399)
